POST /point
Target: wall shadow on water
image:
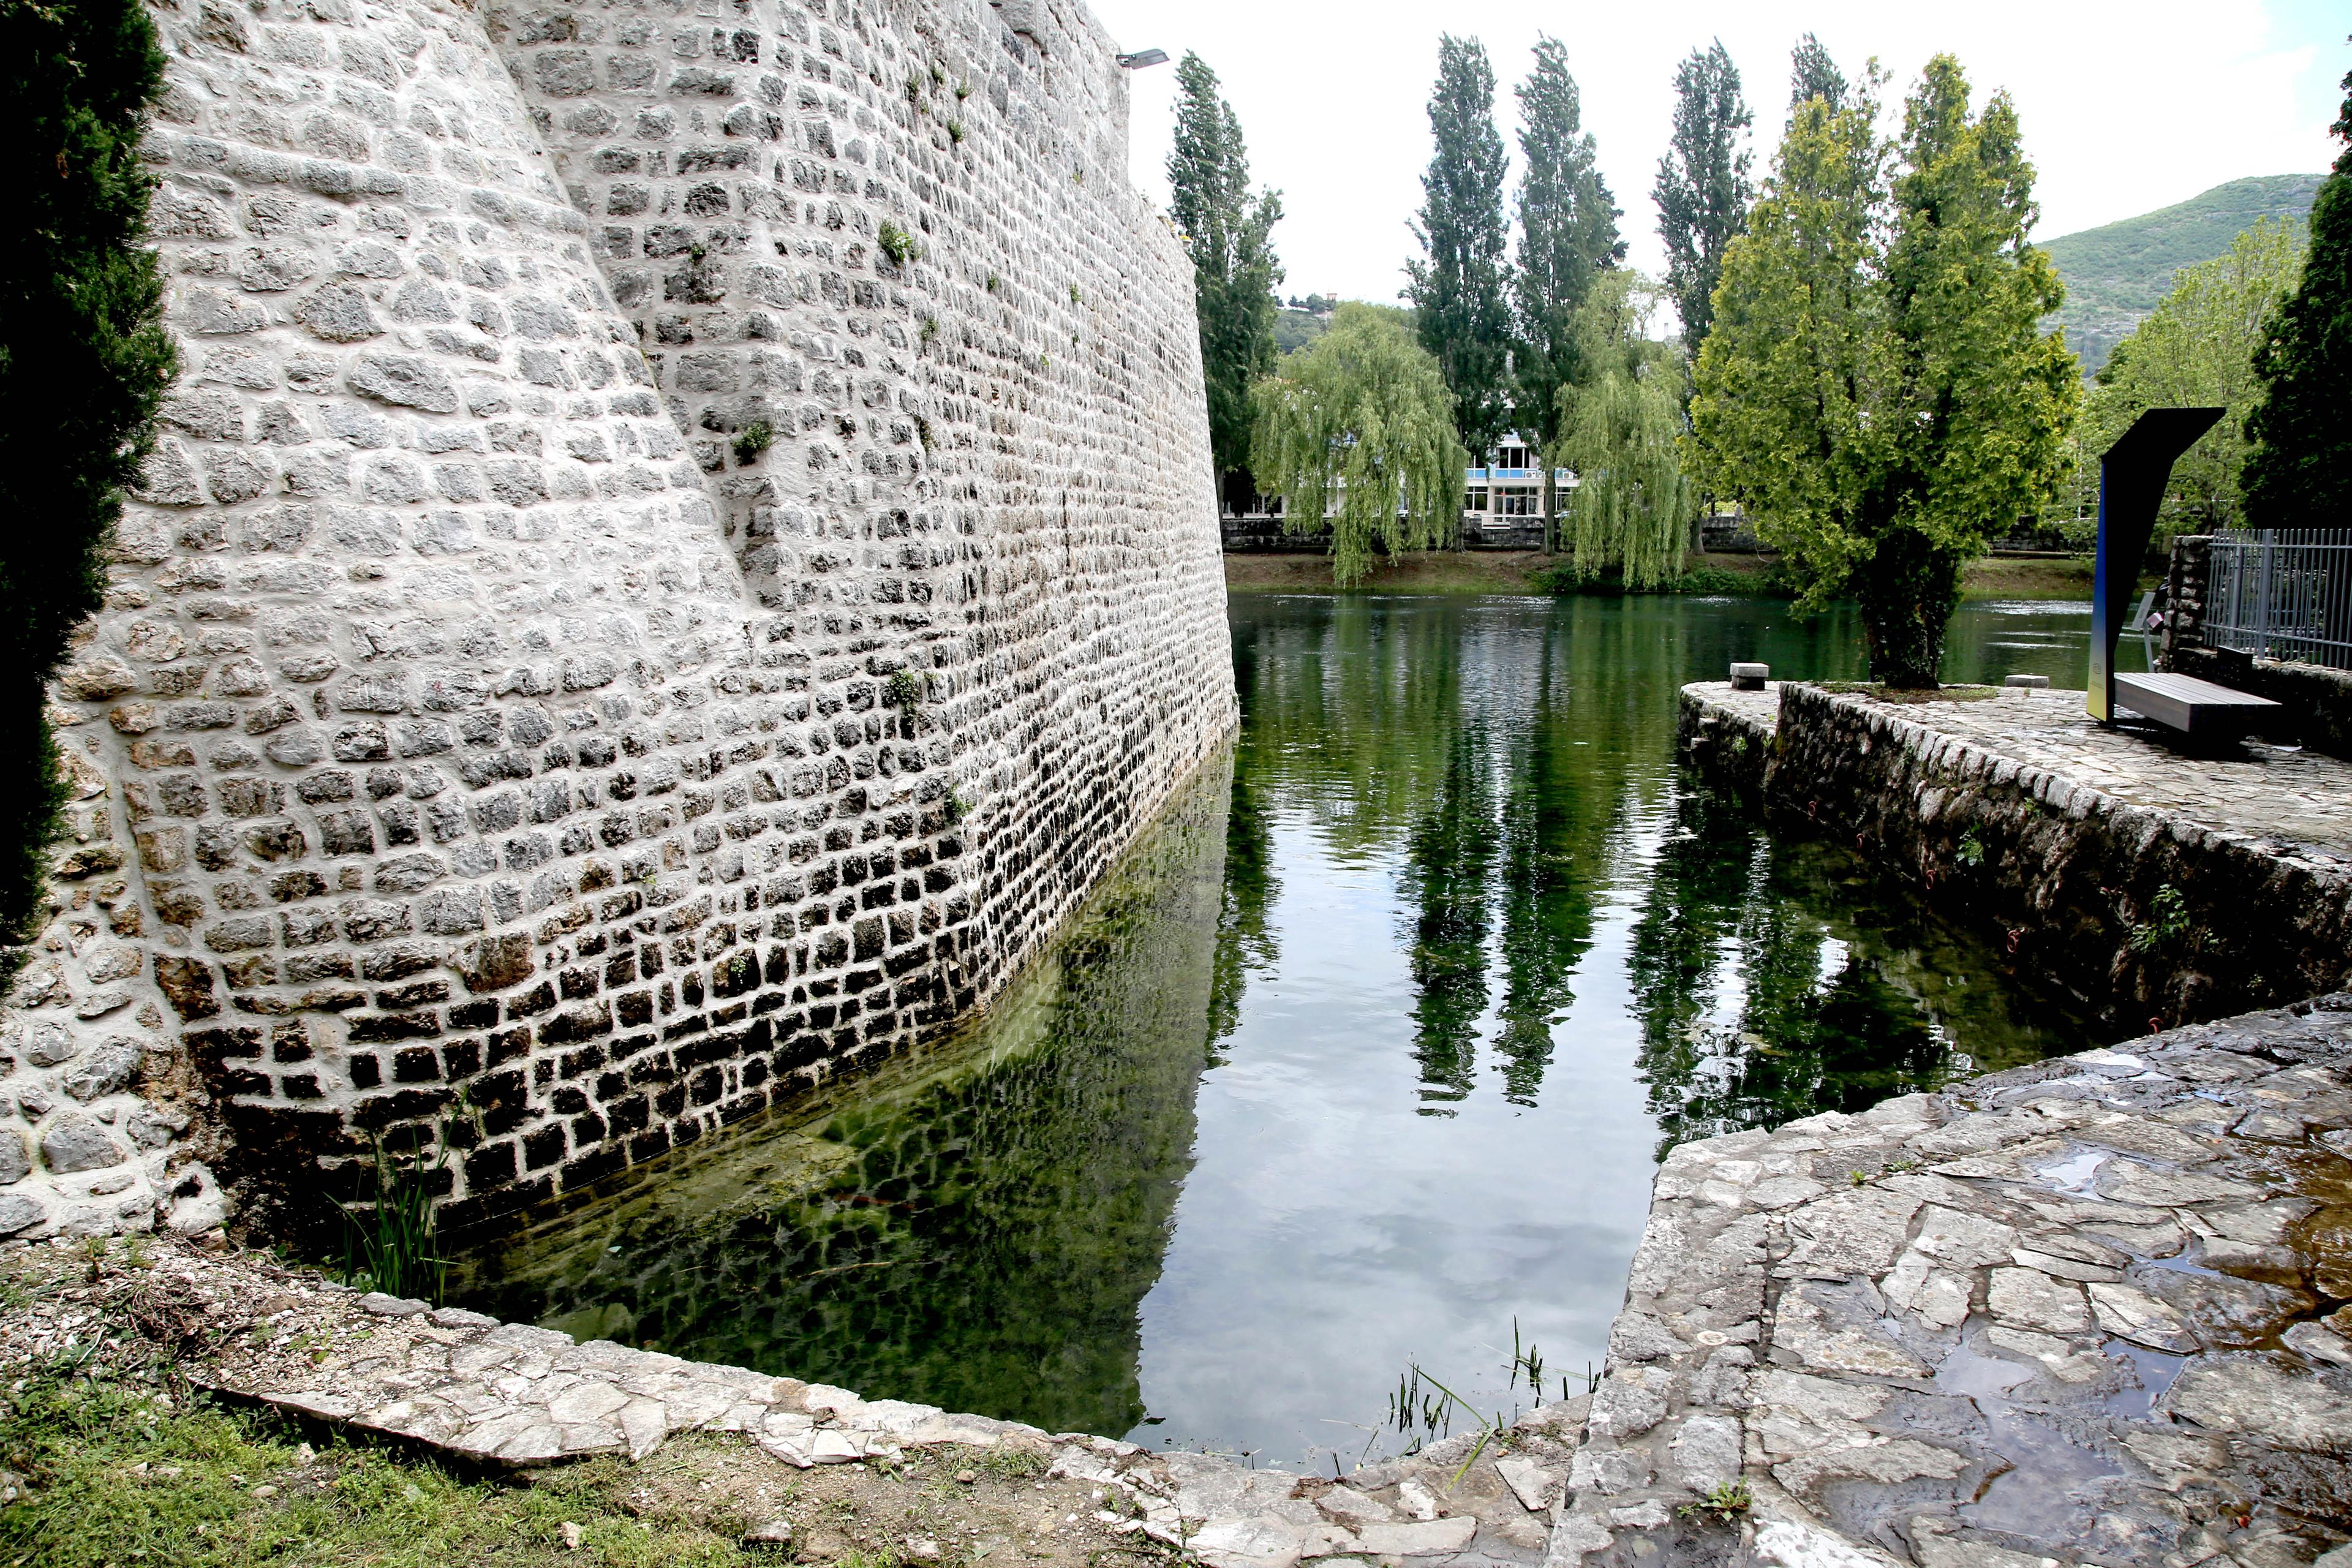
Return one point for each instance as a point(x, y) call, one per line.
point(971, 1226)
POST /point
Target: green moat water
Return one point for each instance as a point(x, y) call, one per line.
point(1363, 1057)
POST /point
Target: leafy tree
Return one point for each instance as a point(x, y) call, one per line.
point(1812, 73)
point(1568, 233)
point(1877, 387)
point(83, 363)
point(2299, 473)
point(2197, 349)
point(1702, 188)
point(1457, 286)
point(1619, 432)
point(1227, 231)
point(1358, 433)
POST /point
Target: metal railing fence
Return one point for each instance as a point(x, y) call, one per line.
point(2282, 592)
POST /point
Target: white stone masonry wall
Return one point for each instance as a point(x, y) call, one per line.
point(603, 639)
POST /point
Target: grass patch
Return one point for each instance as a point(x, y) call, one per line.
point(1005, 1462)
point(121, 1474)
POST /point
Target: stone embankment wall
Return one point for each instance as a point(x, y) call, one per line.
point(682, 546)
point(2019, 814)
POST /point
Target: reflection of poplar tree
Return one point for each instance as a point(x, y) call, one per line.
point(1244, 940)
point(1722, 904)
point(1554, 826)
point(1451, 854)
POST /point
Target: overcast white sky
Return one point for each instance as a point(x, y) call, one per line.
point(2126, 107)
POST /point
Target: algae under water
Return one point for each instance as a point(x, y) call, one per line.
point(1362, 1058)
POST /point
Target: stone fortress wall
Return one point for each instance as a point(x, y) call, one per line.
point(682, 546)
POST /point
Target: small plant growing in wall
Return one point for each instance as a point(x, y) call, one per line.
point(2166, 925)
point(963, 91)
point(903, 691)
point(914, 88)
point(1724, 1505)
point(994, 283)
point(955, 131)
point(1972, 850)
point(389, 1240)
point(931, 327)
point(756, 438)
point(1077, 297)
point(896, 243)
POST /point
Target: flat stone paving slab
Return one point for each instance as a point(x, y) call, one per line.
point(2297, 799)
point(2088, 1312)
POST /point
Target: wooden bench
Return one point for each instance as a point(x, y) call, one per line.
point(2192, 706)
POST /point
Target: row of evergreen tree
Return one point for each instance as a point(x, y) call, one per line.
point(1861, 363)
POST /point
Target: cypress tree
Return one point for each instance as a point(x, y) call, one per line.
point(1458, 287)
point(2298, 473)
point(1568, 233)
point(1228, 233)
point(1703, 187)
point(84, 360)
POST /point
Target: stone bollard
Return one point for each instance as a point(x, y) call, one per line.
point(1749, 677)
point(2027, 682)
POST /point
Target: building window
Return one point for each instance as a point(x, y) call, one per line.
point(1476, 502)
point(1515, 457)
point(1519, 503)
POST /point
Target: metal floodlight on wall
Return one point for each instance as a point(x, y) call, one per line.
point(1142, 57)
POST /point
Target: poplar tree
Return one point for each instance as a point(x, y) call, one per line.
point(2298, 473)
point(1876, 388)
point(1568, 233)
point(1457, 286)
point(1812, 73)
point(84, 360)
point(1703, 187)
point(1360, 426)
point(1228, 233)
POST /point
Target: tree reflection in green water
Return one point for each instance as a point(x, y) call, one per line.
point(1775, 979)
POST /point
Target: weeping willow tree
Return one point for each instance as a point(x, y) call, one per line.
point(1631, 506)
point(1620, 426)
point(1358, 434)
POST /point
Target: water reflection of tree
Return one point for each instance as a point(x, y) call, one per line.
point(1821, 1024)
point(1450, 857)
point(1246, 942)
point(1492, 748)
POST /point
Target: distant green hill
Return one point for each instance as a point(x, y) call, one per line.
point(2115, 275)
point(1293, 330)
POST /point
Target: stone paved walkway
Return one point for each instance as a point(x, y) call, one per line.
point(2091, 1311)
point(2300, 800)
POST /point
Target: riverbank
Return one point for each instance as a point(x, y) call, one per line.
point(2158, 885)
point(2088, 1310)
point(202, 1405)
point(1462, 572)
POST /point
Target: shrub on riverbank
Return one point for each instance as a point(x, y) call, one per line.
point(1767, 583)
point(84, 360)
